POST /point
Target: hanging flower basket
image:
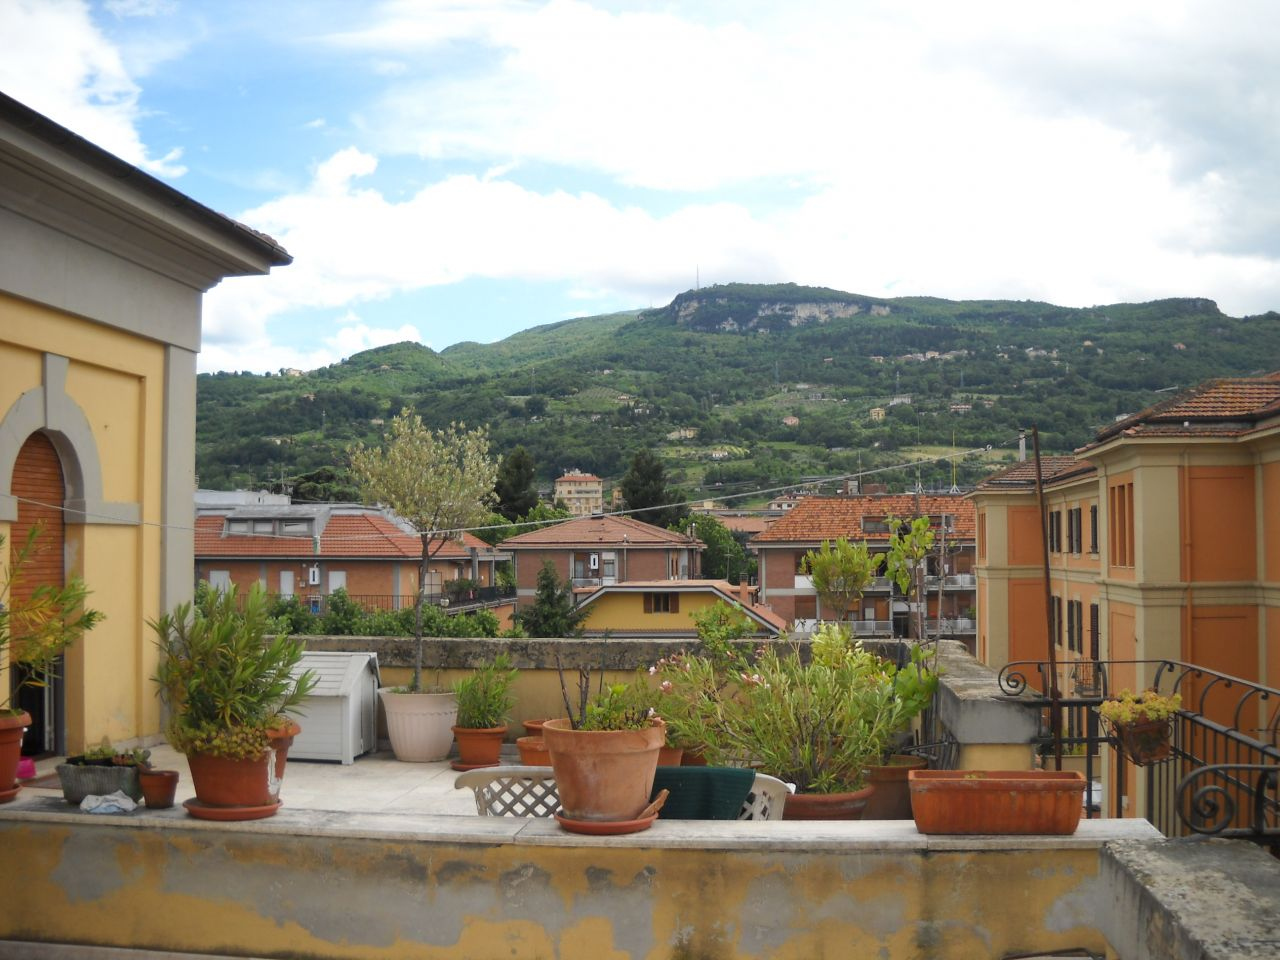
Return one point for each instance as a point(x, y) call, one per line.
point(1145, 742)
point(1142, 724)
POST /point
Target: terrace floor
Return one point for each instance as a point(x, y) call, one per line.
point(375, 783)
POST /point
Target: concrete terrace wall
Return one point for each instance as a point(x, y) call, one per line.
point(308, 884)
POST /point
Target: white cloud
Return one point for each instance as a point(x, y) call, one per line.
point(53, 59)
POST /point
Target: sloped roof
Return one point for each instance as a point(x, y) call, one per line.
point(369, 535)
point(598, 531)
point(578, 477)
point(1227, 407)
point(1023, 473)
point(725, 590)
point(815, 519)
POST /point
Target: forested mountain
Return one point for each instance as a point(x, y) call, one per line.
point(741, 387)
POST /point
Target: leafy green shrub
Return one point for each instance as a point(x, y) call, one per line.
point(484, 697)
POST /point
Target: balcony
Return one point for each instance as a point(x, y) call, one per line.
point(952, 627)
point(960, 581)
point(872, 628)
point(383, 858)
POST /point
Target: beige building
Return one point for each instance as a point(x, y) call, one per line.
point(581, 493)
point(102, 272)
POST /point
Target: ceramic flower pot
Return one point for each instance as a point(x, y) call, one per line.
point(603, 774)
point(159, 788)
point(420, 725)
point(478, 747)
point(827, 806)
point(533, 752)
point(1146, 741)
point(892, 797)
point(12, 729)
point(996, 801)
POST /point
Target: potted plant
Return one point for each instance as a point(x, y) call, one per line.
point(37, 625)
point(484, 706)
point(815, 723)
point(101, 770)
point(441, 482)
point(1142, 723)
point(159, 787)
point(914, 686)
point(605, 755)
point(230, 689)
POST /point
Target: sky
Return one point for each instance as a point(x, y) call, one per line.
point(461, 170)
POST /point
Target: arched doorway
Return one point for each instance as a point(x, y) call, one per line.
point(40, 490)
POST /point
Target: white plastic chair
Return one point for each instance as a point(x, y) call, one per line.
point(531, 792)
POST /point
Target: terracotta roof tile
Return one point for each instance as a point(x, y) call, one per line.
point(607, 529)
point(1228, 407)
point(369, 535)
point(1023, 473)
point(815, 519)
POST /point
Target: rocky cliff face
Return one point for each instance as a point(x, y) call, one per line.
point(735, 312)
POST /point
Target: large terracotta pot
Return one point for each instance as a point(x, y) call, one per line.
point(996, 801)
point(226, 782)
point(478, 746)
point(11, 730)
point(603, 774)
point(892, 799)
point(420, 725)
point(827, 806)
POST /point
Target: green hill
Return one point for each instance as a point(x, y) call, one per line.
point(727, 365)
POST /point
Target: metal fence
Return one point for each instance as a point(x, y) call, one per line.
point(1221, 773)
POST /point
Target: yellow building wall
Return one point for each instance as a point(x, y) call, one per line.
point(117, 382)
point(625, 611)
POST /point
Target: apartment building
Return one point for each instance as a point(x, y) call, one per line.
point(581, 493)
point(949, 582)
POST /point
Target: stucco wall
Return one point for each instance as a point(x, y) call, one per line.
point(443, 887)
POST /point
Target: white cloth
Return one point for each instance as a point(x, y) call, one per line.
point(118, 802)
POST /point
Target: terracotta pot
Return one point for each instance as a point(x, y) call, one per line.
point(827, 806)
point(224, 782)
point(671, 756)
point(692, 758)
point(1145, 742)
point(82, 780)
point(12, 729)
point(996, 801)
point(281, 739)
point(159, 788)
point(533, 727)
point(420, 725)
point(478, 746)
point(892, 799)
point(533, 752)
point(603, 774)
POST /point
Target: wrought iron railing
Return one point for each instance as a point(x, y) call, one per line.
point(1222, 774)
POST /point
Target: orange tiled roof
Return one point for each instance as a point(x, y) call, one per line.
point(577, 477)
point(1023, 473)
point(815, 519)
point(369, 535)
point(604, 530)
point(1229, 407)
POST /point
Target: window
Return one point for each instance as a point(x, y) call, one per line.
point(237, 526)
point(662, 603)
point(1074, 534)
point(874, 525)
point(982, 535)
point(1055, 619)
point(220, 579)
point(286, 583)
point(1055, 531)
point(1075, 626)
point(1093, 528)
point(1120, 536)
point(1094, 639)
point(337, 580)
point(295, 528)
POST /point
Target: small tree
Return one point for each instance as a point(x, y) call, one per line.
point(644, 488)
point(36, 625)
point(909, 545)
point(514, 488)
point(723, 557)
point(552, 613)
point(841, 572)
point(441, 481)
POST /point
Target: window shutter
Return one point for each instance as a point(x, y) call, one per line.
point(648, 603)
point(675, 603)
